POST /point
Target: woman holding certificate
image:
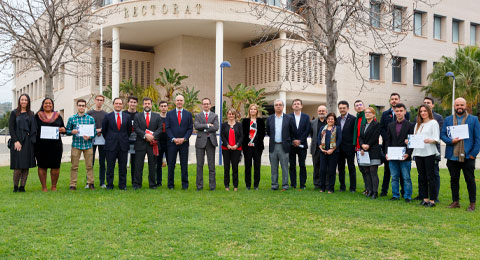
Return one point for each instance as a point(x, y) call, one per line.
point(329, 139)
point(23, 132)
point(369, 134)
point(425, 157)
point(50, 126)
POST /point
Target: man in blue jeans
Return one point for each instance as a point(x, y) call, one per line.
point(396, 136)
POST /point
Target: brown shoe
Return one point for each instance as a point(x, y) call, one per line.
point(91, 186)
point(471, 207)
point(454, 204)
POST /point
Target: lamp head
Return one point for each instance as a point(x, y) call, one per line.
point(225, 64)
point(450, 74)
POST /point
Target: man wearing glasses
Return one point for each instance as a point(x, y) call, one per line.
point(99, 142)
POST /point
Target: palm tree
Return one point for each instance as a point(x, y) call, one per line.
point(466, 67)
point(241, 96)
point(191, 100)
point(171, 82)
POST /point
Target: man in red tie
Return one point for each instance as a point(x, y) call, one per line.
point(116, 128)
point(179, 126)
point(147, 126)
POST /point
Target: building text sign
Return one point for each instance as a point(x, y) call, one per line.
point(163, 9)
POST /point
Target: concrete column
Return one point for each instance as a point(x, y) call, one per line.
point(282, 95)
point(218, 61)
point(115, 62)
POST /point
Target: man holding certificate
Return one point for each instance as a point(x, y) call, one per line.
point(461, 152)
point(401, 162)
point(82, 127)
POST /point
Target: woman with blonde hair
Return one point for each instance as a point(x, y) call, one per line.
point(232, 138)
point(254, 129)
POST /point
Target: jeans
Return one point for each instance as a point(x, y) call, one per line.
point(397, 169)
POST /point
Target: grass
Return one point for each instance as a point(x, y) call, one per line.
point(264, 224)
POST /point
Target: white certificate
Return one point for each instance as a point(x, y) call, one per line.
point(99, 140)
point(86, 130)
point(460, 131)
point(363, 159)
point(416, 141)
point(49, 132)
point(396, 153)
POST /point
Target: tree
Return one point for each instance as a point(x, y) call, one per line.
point(4, 120)
point(128, 88)
point(191, 100)
point(466, 67)
point(241, 96)
point(171, 82)
point(47, 35)
point(333, 25)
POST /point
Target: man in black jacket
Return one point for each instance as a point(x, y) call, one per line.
point(388, 116)
point(346, 122)
point(397, 134)
point(299, 146)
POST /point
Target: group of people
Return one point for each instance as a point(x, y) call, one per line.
point(335, 141)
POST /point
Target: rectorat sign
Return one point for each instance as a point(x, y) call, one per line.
point(163, 9)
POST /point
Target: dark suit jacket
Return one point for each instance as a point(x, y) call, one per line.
point(303, 129)
point(140, 125)
point(116, 139)
point(258, 140)
point(347, 133)
point(439, 119)
point(387, 117)
point(314, 134)
point(370, 137)
point(289, 132)
point(399, 141)
point(237, 128)
point(184, 130)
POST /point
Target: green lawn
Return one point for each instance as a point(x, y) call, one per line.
point(264, 224)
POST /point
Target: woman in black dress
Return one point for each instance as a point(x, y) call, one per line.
point(254, 133)
point(23, 133)
point(47, 117)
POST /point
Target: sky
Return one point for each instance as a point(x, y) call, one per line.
point(5, 87)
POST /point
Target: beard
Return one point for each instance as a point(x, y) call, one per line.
point(147, 109)
point(321, 117)
point(460, 111)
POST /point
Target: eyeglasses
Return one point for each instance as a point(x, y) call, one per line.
point(80, 105)
point(359, 105)
point(99, 100)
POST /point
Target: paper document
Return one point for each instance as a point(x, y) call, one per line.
point(86, 130)
point(416, 141)
point(396, 153)
point(363, 159)
point(460, 131)
point(49, 132)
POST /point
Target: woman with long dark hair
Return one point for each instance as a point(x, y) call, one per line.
point(23, 133)
point(254, 133)
point(48, 117)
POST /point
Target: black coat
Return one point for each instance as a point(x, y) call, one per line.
point(370, 137)
point(140, 125)
point(116, 139)
point(225, 132)
point(347, 133)
point(399, 141)
point(289, 132)
point(387, 117)
point(258, 140)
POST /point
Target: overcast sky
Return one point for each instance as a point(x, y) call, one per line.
point(5, 88)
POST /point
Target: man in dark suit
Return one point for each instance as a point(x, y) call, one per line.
point(397, 134)
point(439, 118)
point(147, 126)
point(299, 146)
point(281, 130)
point(346, 122)
point(116, 128)
point(206, 123)
point(179, 124)
point(388, 116)
point(316, 126)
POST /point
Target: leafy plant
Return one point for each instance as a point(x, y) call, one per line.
point(127, 88)
point(191, 99)
point(171, 82)
point(241, 96)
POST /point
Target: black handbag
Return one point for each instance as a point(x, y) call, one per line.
point(9, 143)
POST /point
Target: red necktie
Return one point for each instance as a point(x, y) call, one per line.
point(148, 119)
point(206, 117)
point(179, 117)
point(119, 121)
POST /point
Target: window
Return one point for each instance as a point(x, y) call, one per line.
point(397, 19)
point(375, 14)
point(417, 72)
point(473, 34)
point(437, 27)
point(375, 66)
point(418, 23)
point(396, 69)
point(455, 31)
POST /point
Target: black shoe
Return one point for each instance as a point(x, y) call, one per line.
point(199, 189)
point(73, 188)
point(424, 203)
point(383, 194)
point(394, 199)
point(369, 193)
point(136, 188)
point(124, 188)
point(408, 200)
point(342, 190)
point(91, 186)
point(248, 188)
point(437, 201)
point(109, 188)
point(15, 188)
point(170, 188)
point(212, 189)
point(185, 188)
point(21, 189)
point(375, 195)
point(430, 205)
point(153, 187)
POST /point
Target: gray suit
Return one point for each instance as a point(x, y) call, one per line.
point(206, 142)
point(315, 151)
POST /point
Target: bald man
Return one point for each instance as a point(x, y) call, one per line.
point(461, 153)
point(316, 126)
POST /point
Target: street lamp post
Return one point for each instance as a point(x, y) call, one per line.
point(224, 64)
point(450, 74)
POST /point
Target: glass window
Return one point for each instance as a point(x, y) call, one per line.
point(397, 19)
point(375, 15)
point(418, 23)
point(375, 66)
point(397, 69)
point(417, 72)
point(473, 34)
point(437, 27)
point(455, 29)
